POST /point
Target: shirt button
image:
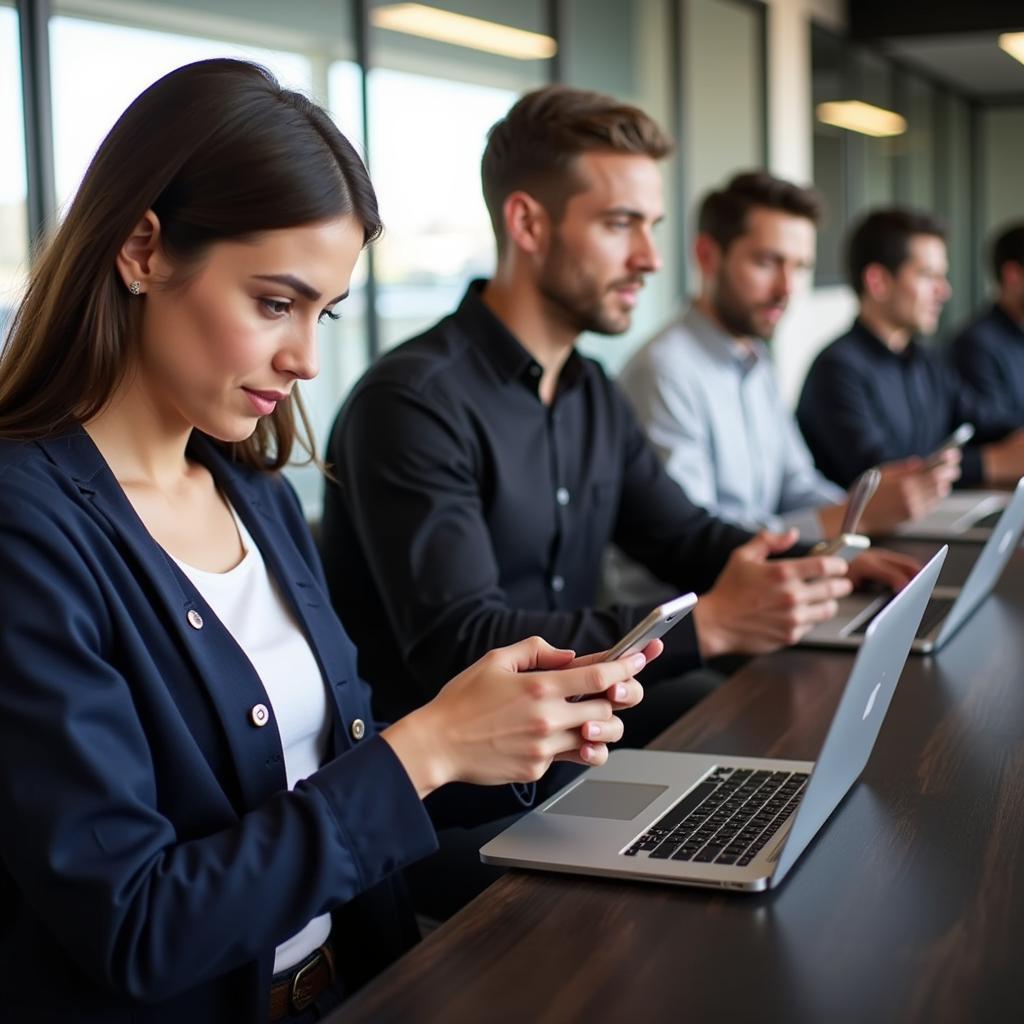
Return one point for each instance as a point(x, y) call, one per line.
point(557, 584)
point(259, 715)
point(562, 496)
point(535, 370)
point(358, 729)
point(195, 620)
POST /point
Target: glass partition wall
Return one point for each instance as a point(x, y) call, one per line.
point(433, 77)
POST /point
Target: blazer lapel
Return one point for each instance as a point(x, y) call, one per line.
point(221, 665)
point(300, 589)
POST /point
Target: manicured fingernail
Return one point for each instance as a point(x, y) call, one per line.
point(638, 662)
point(620, 692)
point(592, 731)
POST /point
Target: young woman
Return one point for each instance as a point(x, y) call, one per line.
point(200, 822)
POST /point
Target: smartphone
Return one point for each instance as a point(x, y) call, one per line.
point(957, 439)
point(846, 546)
point(651, 627)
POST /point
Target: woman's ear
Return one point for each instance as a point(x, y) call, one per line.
point(138, 255)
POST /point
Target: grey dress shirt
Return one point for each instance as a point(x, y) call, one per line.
point(713, 411)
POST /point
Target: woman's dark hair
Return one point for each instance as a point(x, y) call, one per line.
point(218, 150)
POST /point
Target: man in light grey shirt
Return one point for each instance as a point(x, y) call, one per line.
point(705, 388)
point(711, 406)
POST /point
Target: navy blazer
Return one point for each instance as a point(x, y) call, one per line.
point(151, 856)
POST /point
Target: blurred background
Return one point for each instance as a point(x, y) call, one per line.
point(874, 102)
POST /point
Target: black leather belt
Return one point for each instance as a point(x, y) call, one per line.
point(294, 990)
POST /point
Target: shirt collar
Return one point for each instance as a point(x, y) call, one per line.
point(1007, 321)
point(870, 340)
point(721, 345)
point(503, 349)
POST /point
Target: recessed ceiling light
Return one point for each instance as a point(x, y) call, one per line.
point(1013, 44)
point(866, 118)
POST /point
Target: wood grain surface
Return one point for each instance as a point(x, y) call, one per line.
point(908, 906)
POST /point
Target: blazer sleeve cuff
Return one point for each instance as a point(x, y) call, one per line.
point(377, 808)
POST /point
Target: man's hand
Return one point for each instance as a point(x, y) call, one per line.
point(757, 605)
point(910, 489)
point(888, 568)
point(1003, 461)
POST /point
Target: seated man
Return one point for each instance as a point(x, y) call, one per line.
point(989, 353)
point(705, 388)
point(877, 394)
point(482, 467)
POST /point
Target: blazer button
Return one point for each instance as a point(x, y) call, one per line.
point(195, 620)
point(259, 715)
point(358, 729)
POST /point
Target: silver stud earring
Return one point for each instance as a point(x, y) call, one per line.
point(135, 287)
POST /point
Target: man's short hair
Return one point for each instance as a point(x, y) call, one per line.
point(883, 236)
point(724, 214)
point(1008, 247)
point(533, 147)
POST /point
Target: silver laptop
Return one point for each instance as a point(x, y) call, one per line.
point(962, 516)
point(949, 608)
point(723, 822)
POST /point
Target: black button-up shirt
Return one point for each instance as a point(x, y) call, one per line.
point(989, 354)
point(863, 404)
point(467, 514)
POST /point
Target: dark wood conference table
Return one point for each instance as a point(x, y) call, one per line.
point(908, 906)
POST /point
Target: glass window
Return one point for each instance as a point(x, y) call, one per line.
point(828, 82)
point(917, 146)
point(626, 50)
point(854, 171)
point(13, 206)
point(953, 158)
point(433, 94)
point(307, 46)
point(724, 66)
point(437, 234)
point(873, 159)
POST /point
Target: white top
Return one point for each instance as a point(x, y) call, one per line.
point(249, 605)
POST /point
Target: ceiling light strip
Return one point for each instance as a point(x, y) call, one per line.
point(461, 30)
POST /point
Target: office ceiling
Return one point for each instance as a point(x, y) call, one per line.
point(954, 42)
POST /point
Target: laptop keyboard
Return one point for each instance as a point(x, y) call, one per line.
point(936, 610)
point(726, 819)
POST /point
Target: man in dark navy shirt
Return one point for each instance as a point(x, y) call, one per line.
point(989, 353)
point(877, 395)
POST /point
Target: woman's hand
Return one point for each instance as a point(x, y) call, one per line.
point(634, 691)
point(508, 716)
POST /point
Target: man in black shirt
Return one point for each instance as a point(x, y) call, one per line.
point(989, 353)
point(483, 467)
point(877, 395)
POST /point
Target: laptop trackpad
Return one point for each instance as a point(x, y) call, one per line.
point(620, 800)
